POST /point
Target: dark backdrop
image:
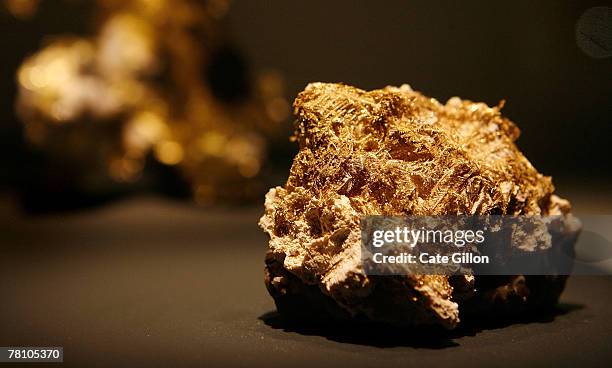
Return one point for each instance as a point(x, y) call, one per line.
point(521, 51)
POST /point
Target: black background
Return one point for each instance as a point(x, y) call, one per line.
point(522, 51)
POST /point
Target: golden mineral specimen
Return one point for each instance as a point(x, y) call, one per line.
point(394, 152)
point(159, 80)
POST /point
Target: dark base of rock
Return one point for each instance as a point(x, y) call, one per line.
point(503, 297)
point(296, 300)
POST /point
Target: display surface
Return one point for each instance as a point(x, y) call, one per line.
point(396, 152)
point(113, 293)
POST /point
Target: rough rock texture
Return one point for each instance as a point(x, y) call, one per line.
point(393, 152)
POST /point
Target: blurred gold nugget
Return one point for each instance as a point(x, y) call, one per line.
point(138, 88)
point(397, 152)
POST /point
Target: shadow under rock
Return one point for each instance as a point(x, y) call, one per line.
point(388, 336)
point(473, 325)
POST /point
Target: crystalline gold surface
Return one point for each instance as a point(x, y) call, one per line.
point(395, 151)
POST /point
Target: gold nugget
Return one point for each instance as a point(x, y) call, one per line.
point(393, 152)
